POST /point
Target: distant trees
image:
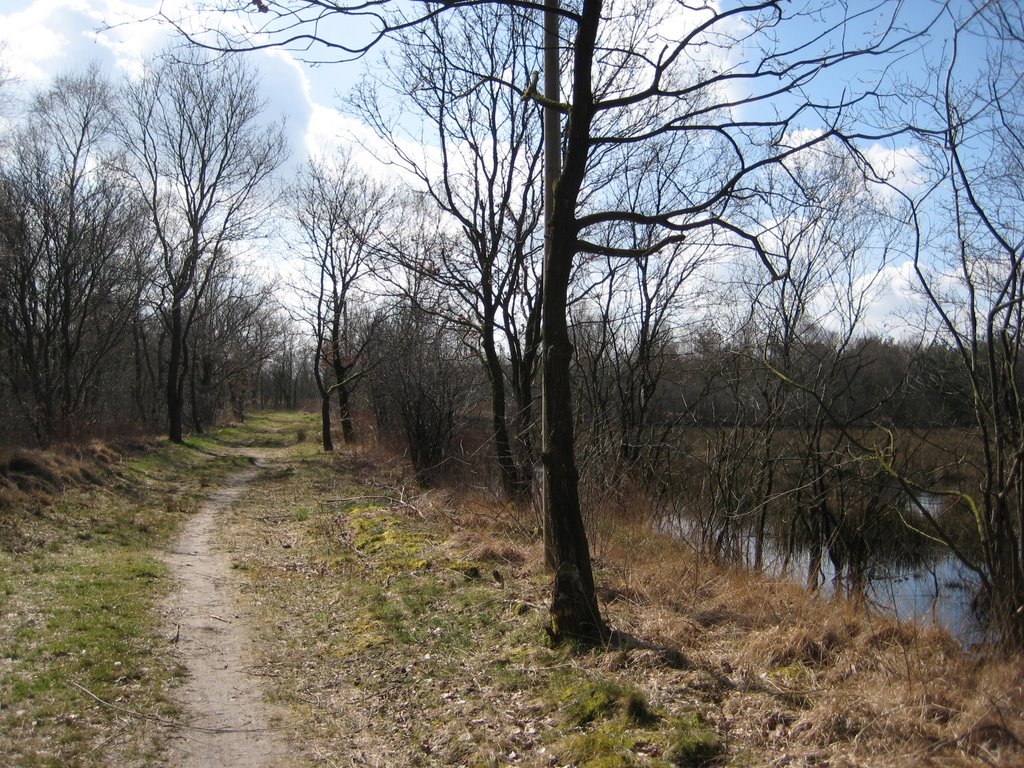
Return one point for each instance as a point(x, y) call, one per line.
point(624, 330)
point(72, 258)
point(453, 73)
point(200, 155)
point(94, 206)
point(343, 216)
point(236, 328)
point(422, 382)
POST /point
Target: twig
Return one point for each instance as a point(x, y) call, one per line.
point(107, 740)
point(169, 723)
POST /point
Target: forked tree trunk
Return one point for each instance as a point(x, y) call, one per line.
point(515, 483)
point(574, 610)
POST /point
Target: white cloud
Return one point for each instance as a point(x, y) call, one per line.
point(902, 167)
point(47, 37)
point(896, 305)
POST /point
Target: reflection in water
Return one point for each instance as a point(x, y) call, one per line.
point(932, 588)
point(940, 594)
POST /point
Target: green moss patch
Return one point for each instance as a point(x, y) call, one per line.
point(695, 744)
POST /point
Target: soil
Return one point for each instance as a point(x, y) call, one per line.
point(226, 721)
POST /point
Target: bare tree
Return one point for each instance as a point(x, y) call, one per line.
point(422, 375)
point(342, 214)
point(624, 326)
point(236, 327)
point(706, 90)
point(450, 70)
point(73, 243)
point(834, 232)
point(971, 272)
point(201, 154)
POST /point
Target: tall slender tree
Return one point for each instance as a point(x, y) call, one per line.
point(485, 177)
point(201, 153)
point(343, 215)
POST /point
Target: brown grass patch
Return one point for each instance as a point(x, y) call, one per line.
point(783, 676)
point(505, 553)
point(30, 470)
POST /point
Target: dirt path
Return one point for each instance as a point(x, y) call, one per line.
point(230, 724)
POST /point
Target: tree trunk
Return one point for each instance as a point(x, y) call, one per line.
point(574, 611)
point(348, 433)
point(195, 400)
point(325, 422)
point(175, 404)
point(513, 481)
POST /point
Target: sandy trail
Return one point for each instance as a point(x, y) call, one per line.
point(231, 726)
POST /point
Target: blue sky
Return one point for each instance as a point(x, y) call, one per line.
point(45, 37)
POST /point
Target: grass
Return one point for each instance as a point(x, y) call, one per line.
point(401, 627)
point(408, 629)
point(695, 744)
point(81, 580)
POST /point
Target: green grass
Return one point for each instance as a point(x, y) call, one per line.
point(81, 613)
point(586, 702)
point(695, 744)
point(80, 605)
point(366, 603)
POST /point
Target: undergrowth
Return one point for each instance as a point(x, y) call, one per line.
point(406, 628)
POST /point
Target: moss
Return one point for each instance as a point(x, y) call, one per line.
point(637, 710)
point(609, 746)
point(588, 702)
point(392, 546)
point(695, 743)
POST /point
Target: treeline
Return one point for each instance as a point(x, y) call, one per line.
point(724, 370)
point(126, 300)
point(705, 317)
point(878, 381)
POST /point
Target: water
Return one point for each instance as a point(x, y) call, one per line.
point(936, 591)
point(939, 594)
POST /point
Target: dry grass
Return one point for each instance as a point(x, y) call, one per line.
point(802, 679)
point(405, 627)
point(34, 477)
point(409, 632)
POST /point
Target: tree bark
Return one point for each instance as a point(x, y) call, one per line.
point(574, 611)
point(175, 404)
point(325, 422)
point(348, 433)
point(513, 483)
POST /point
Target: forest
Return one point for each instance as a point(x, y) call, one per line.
point(673, 311)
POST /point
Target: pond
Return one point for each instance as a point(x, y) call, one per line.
point(936, 590)
point(939, 593)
